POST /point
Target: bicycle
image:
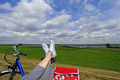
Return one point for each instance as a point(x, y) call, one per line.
point(17, 64)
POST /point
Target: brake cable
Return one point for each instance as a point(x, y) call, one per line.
point(5, 56)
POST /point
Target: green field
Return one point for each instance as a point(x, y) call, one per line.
point(101, 58)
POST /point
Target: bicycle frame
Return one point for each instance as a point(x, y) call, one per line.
point(17, 64)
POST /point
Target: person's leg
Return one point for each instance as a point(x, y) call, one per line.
point(41, 70)
point(44, 70)
point(48, 74)
point(46, 60)
point(49, 71)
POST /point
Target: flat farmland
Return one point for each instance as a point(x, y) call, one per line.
point(90, 59)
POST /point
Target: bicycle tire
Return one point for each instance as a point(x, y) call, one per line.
point(8, 71)
point(11, 75)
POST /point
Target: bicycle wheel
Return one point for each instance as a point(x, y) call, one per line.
point(5, 72)
point(11, 75)
point(2, 73)
point(8, 71)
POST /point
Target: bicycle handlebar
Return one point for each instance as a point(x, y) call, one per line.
point(18, 51)
point(23, 54)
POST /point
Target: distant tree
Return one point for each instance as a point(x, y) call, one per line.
point(108, 45)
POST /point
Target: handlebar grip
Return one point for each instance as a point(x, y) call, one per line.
point(23, 54)
point(18, 44)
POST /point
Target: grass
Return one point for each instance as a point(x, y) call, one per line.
point(100, 58)
point(32, 51)
point(85, 73)
point(89, 57)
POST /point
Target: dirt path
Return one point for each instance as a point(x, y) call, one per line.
point(85, 73)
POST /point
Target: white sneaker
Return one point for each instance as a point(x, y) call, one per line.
point(52, 48)
point(45, 48)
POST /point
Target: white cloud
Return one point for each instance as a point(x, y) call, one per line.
point(74, 1)
point(57, 22)
point(29, 23)
point(98, 30)
point(24, 20)
point(90, 7)
point(110, 9)
point(6, 6)
point(26, 15)
point(77, 23)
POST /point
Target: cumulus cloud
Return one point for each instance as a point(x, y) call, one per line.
point(98, 30)
point(57, 22)
point(90, 7)
point(74, 1)
point(6, 6)
point(25, 18)
point(33, 22)
point(26, 15)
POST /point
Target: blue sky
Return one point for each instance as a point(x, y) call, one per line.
point(64, 21)
point(12, 2)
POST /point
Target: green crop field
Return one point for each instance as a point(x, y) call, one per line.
point(101, 58)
